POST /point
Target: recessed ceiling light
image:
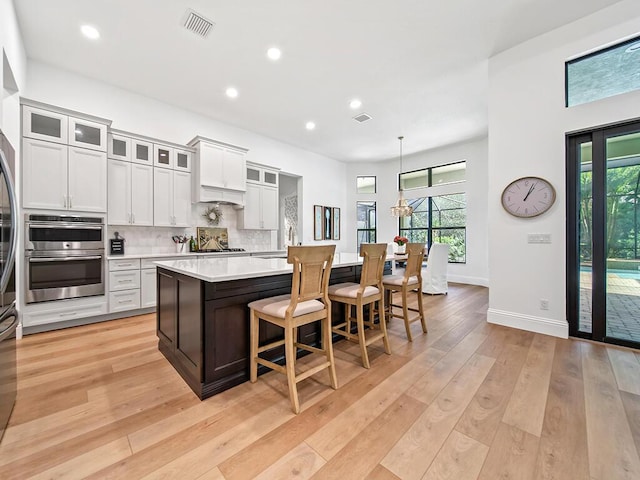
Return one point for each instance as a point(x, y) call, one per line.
point(90, 32)
point(232, 92)
point(274, 53)
point(310, 126)
point(355, 103)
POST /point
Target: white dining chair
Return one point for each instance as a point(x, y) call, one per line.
point(434, 276)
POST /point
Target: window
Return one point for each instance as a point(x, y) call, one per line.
point(365, 184)
point(366, 212)
point(440, 219)
point(603, 74)
point(434, 176)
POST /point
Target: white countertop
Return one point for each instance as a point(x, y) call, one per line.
point(223, 269)
point(187, 255)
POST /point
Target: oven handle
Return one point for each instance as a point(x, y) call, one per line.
point(62, 259)
point(9, 263)
point(78, 226)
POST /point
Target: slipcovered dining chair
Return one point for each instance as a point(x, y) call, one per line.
point(410, 282)
point(368, 292)
point(434, 279)
point(308, 302)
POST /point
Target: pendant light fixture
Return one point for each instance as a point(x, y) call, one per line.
point(401, 208)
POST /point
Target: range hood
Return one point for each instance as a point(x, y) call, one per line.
point(219, 172)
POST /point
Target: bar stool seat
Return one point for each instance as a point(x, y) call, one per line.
point(368, 292)
point(410, 282)
point(307, 303)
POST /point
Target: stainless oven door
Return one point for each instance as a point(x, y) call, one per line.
point(63, 236)
point(63, 274)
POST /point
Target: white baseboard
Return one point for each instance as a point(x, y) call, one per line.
point(546, 326)
point(482, 282)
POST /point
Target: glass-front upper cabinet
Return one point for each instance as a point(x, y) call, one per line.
point(253, 174)
point(141, 152)
point(119, 147)
point(86, 134)
point(44, 125)
point(182, 160)
point(271, 178)
point(163, 156)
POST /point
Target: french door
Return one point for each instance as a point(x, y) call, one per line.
point(603, 240)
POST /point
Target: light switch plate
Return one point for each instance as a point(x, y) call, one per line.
point(539, 238)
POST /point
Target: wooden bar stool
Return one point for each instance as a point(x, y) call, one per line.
point(308, 302)
point(367, 292)
point(411, 281)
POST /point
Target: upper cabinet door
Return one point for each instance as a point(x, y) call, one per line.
point(163, 156)
point(119, 147)
point(211, 165)
point(141, 152)
point(44, 175)
point(119, 192)
point(270, 178)
point(182, 160)
point(163, 198)
point(141, 194)
point(234, 170)
point(44, 125)
point(181, 199)
point(253, 174)
point(86, 134)
point(87, 180)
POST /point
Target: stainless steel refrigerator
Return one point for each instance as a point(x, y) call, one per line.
point(8, 314)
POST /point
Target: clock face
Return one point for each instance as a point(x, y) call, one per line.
point(528, 197)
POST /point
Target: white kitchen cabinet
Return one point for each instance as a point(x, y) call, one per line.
point(63, 178)
point(87, 184)
point(44, 125)
point(260, 210)
point(124, 284)
point(182, 160)
point(130, 194)
point(87, 134)
point(218, 171)
point(125, 300)
point(163, 156)
point(44, 174)
point(171, 198)
point(119, 147)
point(141, 152)
point(148, 287)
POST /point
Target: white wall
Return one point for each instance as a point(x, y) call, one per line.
point(527, 126)
point(324, 177)
point(475, 270)
point(13, 48)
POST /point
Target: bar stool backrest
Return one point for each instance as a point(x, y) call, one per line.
point(415, 256)
point(311, 270)
point(374, 256)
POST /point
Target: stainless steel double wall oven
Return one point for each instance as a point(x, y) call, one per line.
point(64, 257)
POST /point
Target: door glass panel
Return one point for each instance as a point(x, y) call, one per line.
point(46, 125)
point(87, 134)
point(183, 160)
point(253, 174)
point(366, 233)
point(119, 147)
point(270, 178)
point(142, 152)
point(622, 239)
point(163, 156)
point(585, 235)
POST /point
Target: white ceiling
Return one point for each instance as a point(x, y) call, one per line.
point(419, 66)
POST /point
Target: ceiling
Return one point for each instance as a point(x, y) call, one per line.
point(418, 66)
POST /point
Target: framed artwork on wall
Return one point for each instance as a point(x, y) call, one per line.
point(327, 223)
point(318, 222)
point(336, 223)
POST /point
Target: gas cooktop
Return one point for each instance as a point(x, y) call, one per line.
point(220, 250)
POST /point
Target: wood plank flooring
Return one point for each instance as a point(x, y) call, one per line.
point(466, 401)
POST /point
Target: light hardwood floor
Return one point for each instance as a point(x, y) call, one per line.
point(468, 400)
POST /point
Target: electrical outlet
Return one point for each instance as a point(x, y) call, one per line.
point(544, 304)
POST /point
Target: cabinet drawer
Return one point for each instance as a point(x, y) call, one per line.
point(124, 280)
point(58, 314)
point(124, 264)
point(126, 300)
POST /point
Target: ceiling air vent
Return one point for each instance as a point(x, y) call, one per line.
point(196, 23)
point(363, 117)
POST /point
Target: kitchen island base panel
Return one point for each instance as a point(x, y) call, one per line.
point(214, 316)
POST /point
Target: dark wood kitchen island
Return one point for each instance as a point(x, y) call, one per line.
point(203, 318)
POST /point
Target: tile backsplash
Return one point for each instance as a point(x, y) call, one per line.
point(158, 239)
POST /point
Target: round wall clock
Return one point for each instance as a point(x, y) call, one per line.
point(528, 197)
